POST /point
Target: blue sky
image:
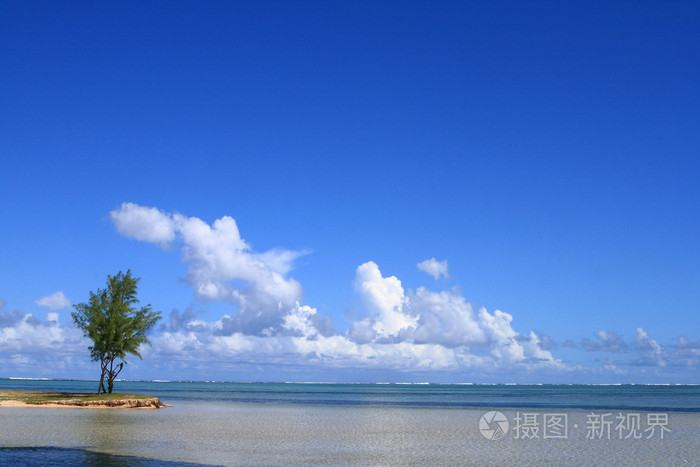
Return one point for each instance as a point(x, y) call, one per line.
point(356, 191)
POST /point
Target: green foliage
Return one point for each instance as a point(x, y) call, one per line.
point(116, 327)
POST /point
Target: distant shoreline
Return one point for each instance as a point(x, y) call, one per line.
point(368, 383)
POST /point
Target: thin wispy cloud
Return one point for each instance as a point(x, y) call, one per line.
point(55, 301)
point(435, 268)
point(650, 352)
point(606, 341)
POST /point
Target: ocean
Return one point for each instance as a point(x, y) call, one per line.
point(214, 423)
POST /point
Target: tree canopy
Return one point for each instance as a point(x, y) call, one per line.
point(115, 325)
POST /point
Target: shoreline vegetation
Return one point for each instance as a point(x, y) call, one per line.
point(54, 399)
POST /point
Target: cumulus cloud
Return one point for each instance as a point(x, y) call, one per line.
point(384, 298)
point(400, 329)
point(221, 264)
point(497, 326)
point(55, 301)
point(425, 330)
point(182, 345)
point(434, 267)
point(445, 318)
point(607, 342)
point(144, 223)
point(439, 320)
point(303, 343)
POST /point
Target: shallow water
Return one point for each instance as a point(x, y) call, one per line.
point(319, 424)
point(275, 434)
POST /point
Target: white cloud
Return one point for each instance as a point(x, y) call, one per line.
point(535, 350)
point(436, 331)
point(300, 321)
point(400, 330)
point(144, 223)
point(434, 267)
point(217, 255)
point(445, 318)
point(384, 298)
point(176, 343)
point(497, 326)
point(31, 335)
point(428, 319)
point(221, 264)
point(55, 301)
point(650, 352)
point(306, 347)
point(279, 260)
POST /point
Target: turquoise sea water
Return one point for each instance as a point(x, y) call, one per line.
point(348, 424)
point(670, 398)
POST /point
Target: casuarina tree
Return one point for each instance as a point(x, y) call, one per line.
point(116, 326)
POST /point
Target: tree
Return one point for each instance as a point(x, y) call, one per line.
point(116, 327)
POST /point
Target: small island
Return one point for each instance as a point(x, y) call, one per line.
point(13, 398)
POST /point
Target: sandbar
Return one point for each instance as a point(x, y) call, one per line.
point(10, 398)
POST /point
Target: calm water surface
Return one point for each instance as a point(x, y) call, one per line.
point(329, 424)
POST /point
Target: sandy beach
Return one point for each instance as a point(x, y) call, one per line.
point(78, 406)
point(39, 399)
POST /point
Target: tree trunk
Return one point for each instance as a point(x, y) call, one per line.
point(101, 387)
point(112, 375)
